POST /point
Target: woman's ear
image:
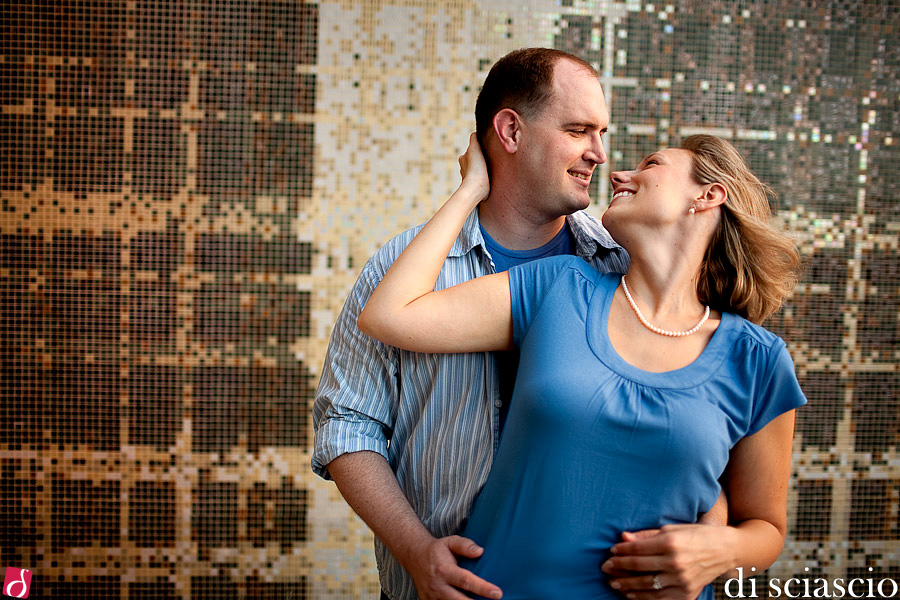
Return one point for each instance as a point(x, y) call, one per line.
point(507, 125)
point(714, 194)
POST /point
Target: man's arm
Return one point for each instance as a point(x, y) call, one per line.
point(353, 414)
point(370, 488)
point(718, 514)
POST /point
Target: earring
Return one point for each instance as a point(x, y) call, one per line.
point(692, 209)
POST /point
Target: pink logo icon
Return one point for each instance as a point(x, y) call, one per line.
point(17, 582)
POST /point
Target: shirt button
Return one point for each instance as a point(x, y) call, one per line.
point(498, 403)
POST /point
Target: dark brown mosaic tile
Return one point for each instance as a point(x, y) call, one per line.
point(151, 516)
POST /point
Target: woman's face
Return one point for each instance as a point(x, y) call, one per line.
point(653, 197)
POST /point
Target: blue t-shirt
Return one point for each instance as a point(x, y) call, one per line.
point(594, 446)
point(504, 259)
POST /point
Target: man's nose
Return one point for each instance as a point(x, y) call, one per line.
point(597, 153)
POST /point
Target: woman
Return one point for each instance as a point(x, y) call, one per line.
point(634, 392)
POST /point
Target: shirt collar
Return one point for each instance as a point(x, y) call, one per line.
point(590, 235)
point(469, 237)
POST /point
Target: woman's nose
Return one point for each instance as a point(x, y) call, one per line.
point(619, 176)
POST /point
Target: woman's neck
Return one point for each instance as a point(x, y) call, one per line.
point(663, 279)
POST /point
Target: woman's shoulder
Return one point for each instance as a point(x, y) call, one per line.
point(570, 268)
point(755, 335)
point(573, 263)
point(753, 348)
point(760, 362)
point(598, 279)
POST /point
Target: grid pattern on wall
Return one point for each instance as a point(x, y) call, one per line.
point(188, 189)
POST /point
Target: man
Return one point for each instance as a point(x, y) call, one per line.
point(409, 438)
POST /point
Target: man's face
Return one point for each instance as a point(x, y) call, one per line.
point(561, 146)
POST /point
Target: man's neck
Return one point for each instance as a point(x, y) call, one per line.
point(514, 230)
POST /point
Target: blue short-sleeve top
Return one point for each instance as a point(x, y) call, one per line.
point(594, 446)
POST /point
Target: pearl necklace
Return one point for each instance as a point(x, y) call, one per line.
point(656, 329)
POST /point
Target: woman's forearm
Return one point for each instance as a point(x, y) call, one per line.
point(753, 545)
point(404, 311)
point(416, 270)
point(685, 558)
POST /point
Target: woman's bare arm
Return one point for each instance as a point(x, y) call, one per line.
point(406, 312)
point(758, 475)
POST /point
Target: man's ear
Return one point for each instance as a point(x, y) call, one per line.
point(714, 194)
point(507, 126)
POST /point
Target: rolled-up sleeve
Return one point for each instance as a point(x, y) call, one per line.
point(355, 404)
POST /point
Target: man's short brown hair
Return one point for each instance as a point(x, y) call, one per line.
point(523, 81)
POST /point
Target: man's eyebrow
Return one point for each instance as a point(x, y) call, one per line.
point(585, 125)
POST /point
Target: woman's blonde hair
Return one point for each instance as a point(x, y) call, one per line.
point(750, 265)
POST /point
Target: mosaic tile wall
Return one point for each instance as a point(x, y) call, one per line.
point(189, 188)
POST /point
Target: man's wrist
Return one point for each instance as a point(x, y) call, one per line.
point(412, 549)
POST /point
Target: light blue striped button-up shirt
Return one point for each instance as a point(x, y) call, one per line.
point(434, 417)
